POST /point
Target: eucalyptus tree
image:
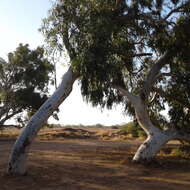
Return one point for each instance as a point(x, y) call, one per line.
point(24, 80)
point(132, 52)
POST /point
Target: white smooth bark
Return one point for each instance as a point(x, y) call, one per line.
point(156, 138)
point(17, 161)
point(140, 111)
point(154, 74)
point(151, 146)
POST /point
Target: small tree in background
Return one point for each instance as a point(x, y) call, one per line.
point(24, 82)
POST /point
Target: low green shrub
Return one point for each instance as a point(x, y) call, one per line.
point(134, 129)
point(183, 151)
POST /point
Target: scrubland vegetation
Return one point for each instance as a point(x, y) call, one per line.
point(94, 158)
point(124, 132)
point(133, 53)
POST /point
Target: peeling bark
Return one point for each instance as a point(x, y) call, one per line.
point(17, 161)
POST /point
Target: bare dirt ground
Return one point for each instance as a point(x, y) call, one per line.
point(64, 162)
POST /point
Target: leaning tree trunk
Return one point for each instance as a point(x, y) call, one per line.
point(155, 141)
point(156, 138)
point(151, 146)
point(17, 162)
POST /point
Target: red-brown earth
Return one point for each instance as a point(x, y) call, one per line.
point(70, 160)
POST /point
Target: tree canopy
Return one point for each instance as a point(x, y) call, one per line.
point(116, 43)
point(24, 80)
point(135, 49)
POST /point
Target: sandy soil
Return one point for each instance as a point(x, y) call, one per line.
point(92, 164)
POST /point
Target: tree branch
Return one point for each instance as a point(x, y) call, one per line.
point(177, 9)
point(153, 98)
point(153, 74)
point(159, 76)
point(140, 111)
point(8, 116)
point(170, 97)
point(178, 134)
point(132, 98)
point(67, 44)
point(142, 54)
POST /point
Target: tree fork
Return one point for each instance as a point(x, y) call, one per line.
point(156, 138)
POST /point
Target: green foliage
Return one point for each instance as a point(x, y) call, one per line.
point(30, 66)
point(133, 128)
point(112, 45)
point(24, 81)
point(178, 86)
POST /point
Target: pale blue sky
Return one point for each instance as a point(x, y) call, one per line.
point(19, 23)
